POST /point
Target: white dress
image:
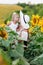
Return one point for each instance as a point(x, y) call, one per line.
point(13, 26)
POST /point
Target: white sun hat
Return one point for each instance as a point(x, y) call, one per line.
point(24, 19)
point(27, 18)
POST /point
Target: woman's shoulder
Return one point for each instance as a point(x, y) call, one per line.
point(9, 23)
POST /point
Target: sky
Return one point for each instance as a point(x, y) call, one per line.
point(21, 1)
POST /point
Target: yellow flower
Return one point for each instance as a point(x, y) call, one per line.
point(31, 29)
point(41, 21)
point(3, 34)
point(2, 25)
point(35, 20)
point(41, 29)
point(37, 16)
point(41, 24)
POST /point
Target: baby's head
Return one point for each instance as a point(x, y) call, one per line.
point(15, 17)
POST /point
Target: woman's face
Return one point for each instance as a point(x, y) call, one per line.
point(16, 17)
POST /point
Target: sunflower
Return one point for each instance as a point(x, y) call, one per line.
point(41, 25)
point(35, 20)
point(3, 34)
point(2, 25)
point(38, 17)
point(31, 29)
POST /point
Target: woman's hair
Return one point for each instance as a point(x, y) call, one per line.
point(13, 15)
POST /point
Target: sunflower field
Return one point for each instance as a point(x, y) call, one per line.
point(34, 52)
point(12, 51)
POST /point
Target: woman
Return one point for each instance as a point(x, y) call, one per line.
point(14, 23)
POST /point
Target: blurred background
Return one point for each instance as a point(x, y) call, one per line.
point(30, 7)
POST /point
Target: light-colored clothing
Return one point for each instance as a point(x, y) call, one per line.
point(13, 26)
point(23, 34)
point(24, 20)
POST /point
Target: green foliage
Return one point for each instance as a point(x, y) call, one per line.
point(35, 46)
point(22, 4)
point(38, 60)
point(12, 49)
point(32, 9)
point(5, 57)
point(17, 51)
point(20, 61)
